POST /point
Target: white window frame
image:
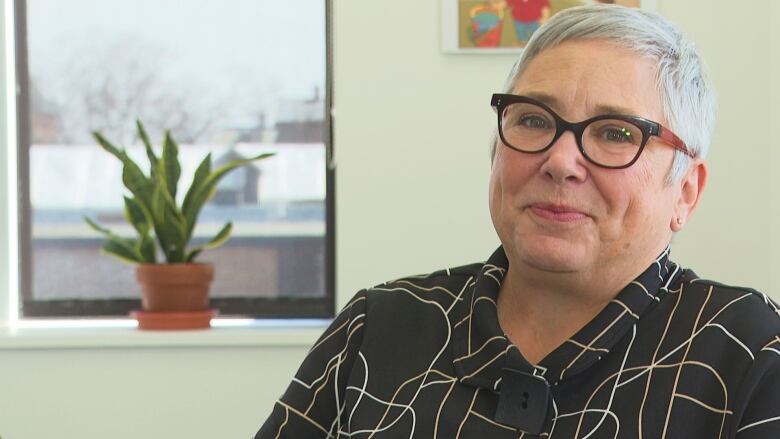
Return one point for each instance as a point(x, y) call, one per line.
point(10, 260)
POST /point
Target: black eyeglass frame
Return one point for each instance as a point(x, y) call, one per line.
point(500, 101)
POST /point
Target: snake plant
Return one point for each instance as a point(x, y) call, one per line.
point(152, 209)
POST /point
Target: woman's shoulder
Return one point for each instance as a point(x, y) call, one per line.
point(723, 293)
point(438, 290)
point(746, 310)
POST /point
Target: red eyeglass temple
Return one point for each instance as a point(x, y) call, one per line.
point(672, 139)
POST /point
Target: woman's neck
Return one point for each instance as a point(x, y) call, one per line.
point(538, 313)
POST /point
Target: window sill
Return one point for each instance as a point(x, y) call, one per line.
point(122, 334)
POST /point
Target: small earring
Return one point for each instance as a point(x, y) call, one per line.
point(679, 221)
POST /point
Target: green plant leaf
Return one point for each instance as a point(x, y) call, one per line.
point(174, 215)
point(95, 226)
point(221, 237)
point(124, 249)
point(203, 171)
point(169, 233)
point(208, 186)
point(137, 215)
point(141, 220)
point(132, 176)
point(175, 238)
point(108, 146)
point(147, 145)
point(147, 250)
point(158, 204)
point(170, 158)
point(192, 255)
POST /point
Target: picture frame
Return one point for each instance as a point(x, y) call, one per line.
point(488, 27)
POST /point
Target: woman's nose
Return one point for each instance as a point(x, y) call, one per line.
point(564, 162)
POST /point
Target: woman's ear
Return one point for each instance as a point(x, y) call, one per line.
point(691, 187)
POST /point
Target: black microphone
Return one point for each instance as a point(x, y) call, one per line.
point(524, 401)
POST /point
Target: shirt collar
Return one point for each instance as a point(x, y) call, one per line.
point(482, 349)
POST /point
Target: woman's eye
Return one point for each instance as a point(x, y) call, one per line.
point(535, 122)
point(618, 135)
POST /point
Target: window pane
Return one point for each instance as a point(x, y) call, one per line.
point(230, 77)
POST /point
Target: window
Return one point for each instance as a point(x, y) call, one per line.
point(233, 77)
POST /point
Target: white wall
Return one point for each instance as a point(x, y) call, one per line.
point(729, 237)
point(411, 185)
point(774, 158)
point(140, 393)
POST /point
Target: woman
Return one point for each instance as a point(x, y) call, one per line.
point(579, 325)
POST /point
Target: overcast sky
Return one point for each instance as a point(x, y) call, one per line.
point(214, 41)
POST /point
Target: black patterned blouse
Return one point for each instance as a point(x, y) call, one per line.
point(672, 356)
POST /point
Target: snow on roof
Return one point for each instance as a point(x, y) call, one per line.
point(86, 176)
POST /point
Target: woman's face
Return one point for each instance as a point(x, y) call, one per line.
point(555, 211)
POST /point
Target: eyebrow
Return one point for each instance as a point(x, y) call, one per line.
point(555, 103)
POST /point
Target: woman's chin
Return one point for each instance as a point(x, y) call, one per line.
point(552, 254)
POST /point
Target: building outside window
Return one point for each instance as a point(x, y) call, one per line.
point(231, 77)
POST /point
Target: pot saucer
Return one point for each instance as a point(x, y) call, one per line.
point(155, 320)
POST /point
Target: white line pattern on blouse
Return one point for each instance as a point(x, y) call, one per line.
point(669, 355)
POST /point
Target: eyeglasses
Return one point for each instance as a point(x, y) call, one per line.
point(612, 141)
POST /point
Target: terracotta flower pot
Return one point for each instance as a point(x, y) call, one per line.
point(174, 287)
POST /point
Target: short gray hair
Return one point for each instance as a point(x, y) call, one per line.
point(687, 94)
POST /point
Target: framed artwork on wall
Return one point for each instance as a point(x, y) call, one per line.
point(503, 26)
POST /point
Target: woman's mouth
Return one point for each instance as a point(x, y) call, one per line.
point(557, 212)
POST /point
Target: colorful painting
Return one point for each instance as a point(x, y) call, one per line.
point(503, 25)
